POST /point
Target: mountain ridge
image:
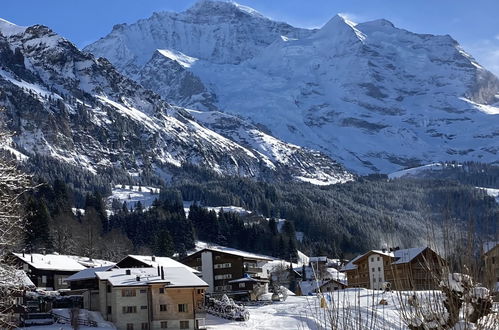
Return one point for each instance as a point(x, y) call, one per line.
point(375, 97)
point(66, 104)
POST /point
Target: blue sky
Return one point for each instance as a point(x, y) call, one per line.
point(474, 24)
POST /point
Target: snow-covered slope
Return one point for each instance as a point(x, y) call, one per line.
point(66, 104)
point(373, 96)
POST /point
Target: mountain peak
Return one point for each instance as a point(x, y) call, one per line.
point(8, 29)
point(340, 27)
point(221, 8)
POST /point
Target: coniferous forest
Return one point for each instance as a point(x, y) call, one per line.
point(337, 220)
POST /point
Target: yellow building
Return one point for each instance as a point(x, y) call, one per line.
point(152, 298)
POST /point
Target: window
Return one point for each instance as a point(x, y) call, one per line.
point(242, 285)
point(373, 269)
point(380, 280)
point(374, 280)
point(200, 291)
point(143, 290)
point(223, 277)
point(226, 265)
point(128, 292)
point(161, 290)
point(61, 281)
point(129, 309)
point(129, 326)
point(108, 288)
point(182, 308)
point(109, 310)
point(372, 259)
point(162, 308)
point(144, 326)
point(164, 324)
point(379, 269)
point(378, 258)
point(143, 307)
point(44, 279)
point(217, 257)
point(184, 324)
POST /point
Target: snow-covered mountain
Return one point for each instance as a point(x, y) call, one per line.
point(371, 95)
point(64, 103)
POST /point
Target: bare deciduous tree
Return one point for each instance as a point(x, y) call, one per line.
point(13, 183)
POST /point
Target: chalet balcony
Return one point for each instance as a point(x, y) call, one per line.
point(252, 270)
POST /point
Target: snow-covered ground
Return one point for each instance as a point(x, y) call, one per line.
point(228, 208)
point(346, 309)
point(491, 192)
point(416, 170)
point(305, 312)
point(133, 194)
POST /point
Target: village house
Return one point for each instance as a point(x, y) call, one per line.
point(490, 256)
point(50, 271)
point(248, 288)
point(152, 298)
point(86, 283)
point(407, 269)
point(47, 271)
point(220, 265)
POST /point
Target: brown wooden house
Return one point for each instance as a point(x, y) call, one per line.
point(490, 256)
point(220, 265)
point(407, 269)
point(47, 271)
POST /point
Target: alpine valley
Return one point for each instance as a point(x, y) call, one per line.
point(219, 106)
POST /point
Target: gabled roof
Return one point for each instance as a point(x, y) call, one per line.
point(159, 261)
point(407, 255)
point(88, 273)
point(50, 262)
point(228, 250)
point(175, 277)
point(249, 279)
point(399, 256)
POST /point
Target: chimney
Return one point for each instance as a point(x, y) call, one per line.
point(162, 273)
point(159, 272)
point(153, 258)
point(138, 278)
point(128, 272)
point(23, 253)
point(31, 257)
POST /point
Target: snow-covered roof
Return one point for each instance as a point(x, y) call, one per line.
point(401, 256)
point(351, 265)
point(90, 262)
point(161, 261)
point(487, 246)
point(248, 279)
point(50, 262)
point(228, 250)
point(406, 255)
point(88, 273)
point(174, 277)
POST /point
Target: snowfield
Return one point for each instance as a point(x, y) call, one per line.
point(349, 309)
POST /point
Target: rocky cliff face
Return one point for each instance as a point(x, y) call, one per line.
point(373, 96)
point(64, 103)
